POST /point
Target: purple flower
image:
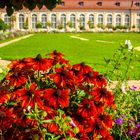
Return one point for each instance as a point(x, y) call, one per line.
point(137, 125)
point(119, 121)
point(131, 132)
point(130, 120)
point(133, 87)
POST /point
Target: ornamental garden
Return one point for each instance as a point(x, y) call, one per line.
point(69, 85)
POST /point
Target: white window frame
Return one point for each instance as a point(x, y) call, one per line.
point(34, 21)
point(63, 20)
point(73, 20)
point(118, 20)
point(82, 20)
point(100, 19)
point(91, 19)
point(53, 21)
point(44, 20)
point(127, 20)
point(109, 19)
point(7, 19)
point(21, 21)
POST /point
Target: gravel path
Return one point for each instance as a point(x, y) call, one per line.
point(14, 40)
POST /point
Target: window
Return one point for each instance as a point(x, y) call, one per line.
point(44, 20)
point(73, 20)
point(117, 4)
point(63, 20)
point(138, 21)
point(99, 3)
point(7, 19)
point(81, 3)
point(118, 20)
point(62, 3)
point(137, 3)
point(21, 21)
point(100, 19)
point(82, 21)
point(91, 21)
point(109, 19)
point(53, 21)
point(127, 20)
point(34, 21)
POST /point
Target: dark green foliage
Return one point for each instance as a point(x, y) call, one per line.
point(15, 5)
point(3, 26)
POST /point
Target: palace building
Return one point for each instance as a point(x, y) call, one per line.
point(79, 14)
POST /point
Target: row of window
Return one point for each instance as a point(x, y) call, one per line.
point(82, 22)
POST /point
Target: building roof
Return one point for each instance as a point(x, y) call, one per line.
point(68, 5)
point(99, 4)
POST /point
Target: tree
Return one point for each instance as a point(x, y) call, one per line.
point(15, 5)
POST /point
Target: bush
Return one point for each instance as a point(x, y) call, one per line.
point(47, 98)
point(3, 26)
point(39, 25)
point(90, 24)
point(60, 26)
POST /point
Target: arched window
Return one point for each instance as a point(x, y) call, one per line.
point(100, 19)
point(138, 21)
point(127, 20)
point(44, 20)
point(118, 20)
point(109, 19)
point(21, 21)
point(91, 21)
point(63, 20)
point(34, 21)
point(73, 20)
point(7, 19)
point(53, 21)
point(82, 21)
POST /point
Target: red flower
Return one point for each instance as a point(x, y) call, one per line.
point(87, 108)
point(106, 119)
point(16, 77)
point(99, 81)
point(3, 96)
point(81, 68)
point(100, 129)
point(53, 127)
point(58, 58)
point(63, 77)
point(6, 117)
point(17, 64)
point(99, 106)
point(39, 63)
point(57, 97)
point(101, 94)
point(29, 97)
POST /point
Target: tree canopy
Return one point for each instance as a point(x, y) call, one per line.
point(15, 5)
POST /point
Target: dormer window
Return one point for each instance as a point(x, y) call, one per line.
point(81, 3)
point(137, 3)
point(99, 3)
point(62, 3)
point(117, 3)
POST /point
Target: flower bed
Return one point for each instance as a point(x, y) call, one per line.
point(47, 98)
point(8, 35)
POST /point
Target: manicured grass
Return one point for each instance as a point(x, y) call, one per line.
point(91, 52)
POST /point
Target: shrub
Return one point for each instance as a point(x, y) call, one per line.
point(47, 98)
point(2, 25)
point(60, 26)
point(90, 24)
point(38, 25)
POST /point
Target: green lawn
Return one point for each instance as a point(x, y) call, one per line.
point(92, 51)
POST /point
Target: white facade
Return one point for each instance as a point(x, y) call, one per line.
point(73, 20)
